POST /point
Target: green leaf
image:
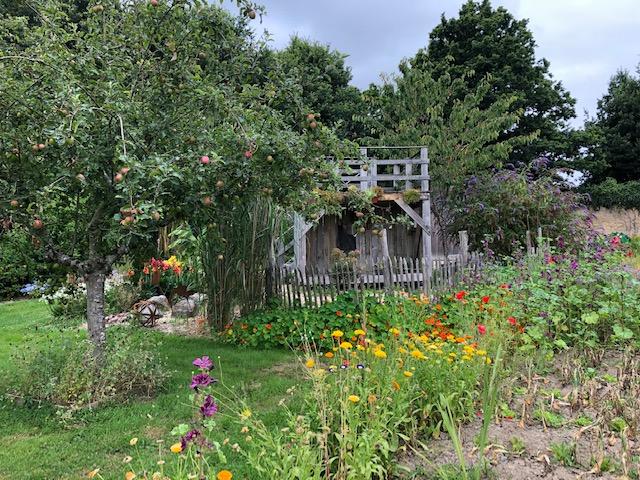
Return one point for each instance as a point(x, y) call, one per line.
point(622, 332)
point(590, 318)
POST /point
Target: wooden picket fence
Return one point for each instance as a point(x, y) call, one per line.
point(315, 287)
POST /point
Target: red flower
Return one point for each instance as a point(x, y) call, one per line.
point(512, 321)
point(615, 241)
point(485, 299)
point(145, 270)
point(482, 329)
point(504, 286)
point(339, 313)
point(268, 326)
point(461, 294)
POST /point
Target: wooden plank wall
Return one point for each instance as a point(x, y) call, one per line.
point(403, 241)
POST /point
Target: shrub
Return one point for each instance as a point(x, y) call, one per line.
point(63, 371)
point(67, 303)
point(500, 208)
point(611, 194)
point(21, 264)
point(120, 296)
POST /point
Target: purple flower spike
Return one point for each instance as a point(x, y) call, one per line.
point(201, 380)
point(209, 407)
point(191, 436)
point(203, 363)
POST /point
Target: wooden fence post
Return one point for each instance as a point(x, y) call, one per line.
point(299, 242)
point(426, 210)
point(384, 246)
point(464, 246)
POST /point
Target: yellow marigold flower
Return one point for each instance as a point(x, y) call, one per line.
point(337, 333)
point(449, 359)
point(395, 385)
point(93, 473)
point(453, 354)
point(310, 363)
point(329, 354)
point(394, 331)
point(380, 354)
point(359, 331)
point(353, 398)
point(488, 360)
point(466, 357)
point(402, 350)
point(346, 345)
point(408, 374)
point(133, 441)
point(176, 447)
point(418, 354)
point(482, 353)
point(224, 475)
point(360, 347)
point(246, 413)
point(129, 476)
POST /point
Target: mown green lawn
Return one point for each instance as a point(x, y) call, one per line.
point(34, 444)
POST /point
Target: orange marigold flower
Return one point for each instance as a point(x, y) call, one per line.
point(224, 475)
point(176, 447)
point(339, 313)
point(129, 476)
point(93, 473)
point(395, 385)
point(329, 354)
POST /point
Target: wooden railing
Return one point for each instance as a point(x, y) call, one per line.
point(391, 175)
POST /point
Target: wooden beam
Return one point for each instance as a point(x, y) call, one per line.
point(412, 213)
point(426, 211)
point(299, 242)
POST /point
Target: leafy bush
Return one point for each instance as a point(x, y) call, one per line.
point(63, 370)
point(67, 303)
point(611, 194)
point(500, 208)
point(21, 264)
point(120, 296)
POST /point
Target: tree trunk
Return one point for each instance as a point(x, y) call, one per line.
point(95, 311)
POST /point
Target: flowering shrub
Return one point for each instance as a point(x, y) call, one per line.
point(69, 302)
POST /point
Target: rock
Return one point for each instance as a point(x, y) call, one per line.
point(184, 308)
point(161, 301)
point(198, 298)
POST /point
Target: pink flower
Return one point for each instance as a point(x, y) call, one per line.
point(615, 241)
point(482, 329)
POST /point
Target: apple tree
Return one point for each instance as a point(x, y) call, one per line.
point(137, 114)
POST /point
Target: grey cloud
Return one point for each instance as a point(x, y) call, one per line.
point(586, 41)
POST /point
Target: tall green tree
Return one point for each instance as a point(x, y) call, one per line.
point(484, 41)
point(144, 113)
point(422, 107)
point(617, 143)
point(323, 79)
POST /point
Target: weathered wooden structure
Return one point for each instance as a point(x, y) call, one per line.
point(313, 244)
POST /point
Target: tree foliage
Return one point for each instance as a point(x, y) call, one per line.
point(483, 42)
point(422, 107)
point(616, 141)
point(323, 79)
point(141, 114)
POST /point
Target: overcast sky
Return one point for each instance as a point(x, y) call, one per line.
point(586, 41)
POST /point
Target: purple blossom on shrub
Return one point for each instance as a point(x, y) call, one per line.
point(190, 436)
point(201, 380)
point(209, 407)
point(204, 363)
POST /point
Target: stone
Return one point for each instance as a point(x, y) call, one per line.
point(161, 301)
point(184, 308)
point(198, 298)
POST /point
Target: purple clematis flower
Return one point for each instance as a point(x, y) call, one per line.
point(209, 407)
point(201, 380)
point(204, 363)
